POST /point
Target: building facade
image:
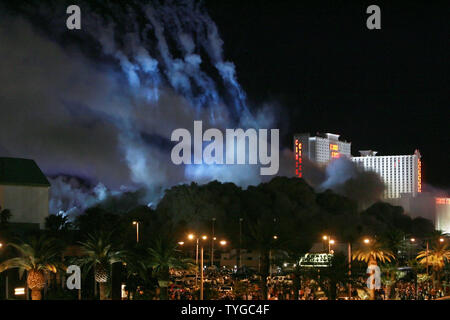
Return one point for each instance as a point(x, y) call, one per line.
point(24, 190)
point(401, 174)
point(319, 149)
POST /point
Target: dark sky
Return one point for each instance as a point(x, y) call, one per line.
point(386, 90)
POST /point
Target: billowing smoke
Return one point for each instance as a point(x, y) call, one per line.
point(101, 102)
point(344, 177)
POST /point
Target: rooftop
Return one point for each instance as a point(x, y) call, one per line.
point(21, 172)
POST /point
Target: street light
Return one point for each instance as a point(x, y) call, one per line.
point(204, 237)
point(330, 242)
point(136, 223)
point(212, 242)
point(366, 241)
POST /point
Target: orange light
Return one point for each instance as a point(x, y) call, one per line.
point(204, 237)
point(190, 236)
point(413, 240)
point(334, 147)
point(331, 241)
point(419, 175)
point(181, 243)
point(366, 241)
point(442, 200)
point(298, 158)
point(441, 239)
point(223, 242)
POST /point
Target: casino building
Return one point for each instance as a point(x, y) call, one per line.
point(319, 149)
point(402, 175)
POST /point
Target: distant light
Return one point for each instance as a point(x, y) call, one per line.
point(285, 265)
point(413, 240)
point(331, 241)
point(214, 238)
point(441, 239)
point(324, 237)
point(19, 291)
point(181, 243)
point(204, 237)
point(1, 244)
point(275, 237)
point(134, 222)
point(366, 240)
point(223, 242)
point(191, 236)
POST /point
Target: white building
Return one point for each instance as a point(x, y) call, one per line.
point(24, 190)
point(402, 175)
point(319, 149)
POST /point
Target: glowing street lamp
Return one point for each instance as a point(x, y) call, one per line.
point(330, 242)
point(366, 241)
point(136, 223)
point(204, 237)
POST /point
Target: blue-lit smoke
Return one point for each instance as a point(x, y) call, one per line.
point(106, 105)
point(149, 63)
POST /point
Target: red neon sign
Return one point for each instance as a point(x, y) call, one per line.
point(298, 159)
point(419, 176)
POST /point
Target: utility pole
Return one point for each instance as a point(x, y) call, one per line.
point(240, 242)
point(349, 252)
point(201, 273)
point(212, 242)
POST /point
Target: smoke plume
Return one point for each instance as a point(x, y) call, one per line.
point(100, 103)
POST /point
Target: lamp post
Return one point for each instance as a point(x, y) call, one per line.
point(349, 253)
point(212, 242)
point(330, 242)
point(204, 238)
point(136, 223)
point(240, 242)
point(6, 278)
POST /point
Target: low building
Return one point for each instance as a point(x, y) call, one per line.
point(24, 190)
point(250, 259)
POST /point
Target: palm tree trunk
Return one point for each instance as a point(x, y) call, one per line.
point(36, 294)
point(103, 291)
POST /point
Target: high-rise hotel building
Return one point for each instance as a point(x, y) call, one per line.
point(402, 175)
point(319, 149)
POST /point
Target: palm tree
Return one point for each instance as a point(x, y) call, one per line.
point(98, 253)
point(163, 257)
point(38, 257)
point(5, 215)
point(371, 254)
point(57, 222)
point(436, 258)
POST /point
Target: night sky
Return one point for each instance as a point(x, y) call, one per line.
point(385, 90)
